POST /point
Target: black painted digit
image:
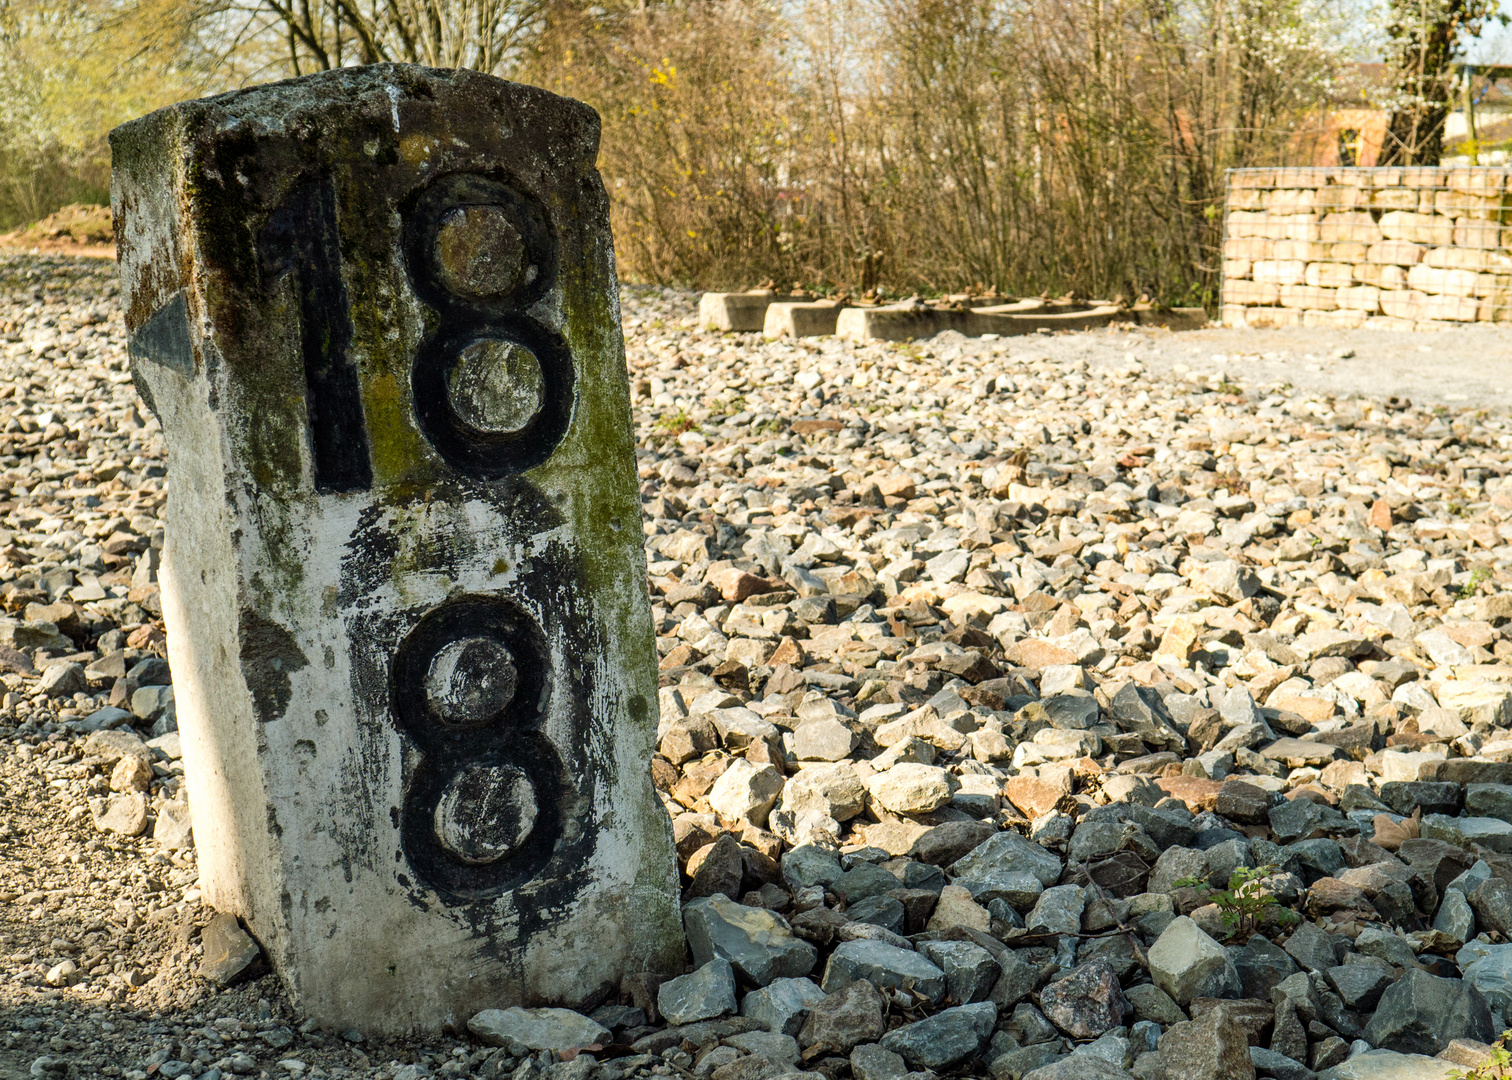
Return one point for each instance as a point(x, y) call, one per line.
point(493, 386)
point(302, 239)
point(469, 686)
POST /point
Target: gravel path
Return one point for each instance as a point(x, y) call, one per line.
point(1003, 622)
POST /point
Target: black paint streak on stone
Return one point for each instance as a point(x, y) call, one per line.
point(164, 338)
point(301, 238)
point(268, 654)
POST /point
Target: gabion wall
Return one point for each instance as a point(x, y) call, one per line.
point(1390, 248)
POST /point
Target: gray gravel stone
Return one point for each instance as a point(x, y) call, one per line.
point(782, 1005)
point(845, 1019)
point(757, 942)
point(700, 995)
point(1078, 1068)
point(947, 1038)
point(1058, 911)
point(557, 1030)
point(230, 955)
point(1008, 851)
point(1422, 1013)
point(1087, 1003)
point(1186, 963)
point(886, 966)
point(970, 970)
point(872, 1062)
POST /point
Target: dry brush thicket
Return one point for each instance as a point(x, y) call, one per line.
point(940, 144)
point(931, 145)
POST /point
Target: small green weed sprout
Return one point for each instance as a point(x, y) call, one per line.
point(1478, 577)
point(1245, 899)
point(675, 423)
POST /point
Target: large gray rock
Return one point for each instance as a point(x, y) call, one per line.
point(1017, 982)
point(1019, 889)
point(1212, 1048)
point(885, 966)
point(911, 788)
point(823, 739)
point(1174, 864)
point(1087, 1003)
point(1488, 968)
point(757, 942)
point(1186, 963)
point(1455, 916)
point(946, 1038)
point(1293, 820)
point(782, 1005)
point(970, 970)
point(1150, 1002)
point(124, 814)
point(1422, 1013)
point(1390, 1065)
point(1489, 800)
point(1491, 902)
point(717, 868)
point(230, 955)
point(1262, 965)
point(1488, 832)
point(1080, 1067)
point(777, 1048)
point(807, 865)
point(173, 828)
point(844, 1020)
point(746, 792)
point(114, 745)
point(1057, 911)
point(352, 403)
point(946, 843)
point(1277, 1066)
point(1016, 1064)
point(871, 1062)
point(700, 995)
point(557, 1030)
point(1008, 851)
point(814, 803)
point(1312, 947)
point(1360, 985)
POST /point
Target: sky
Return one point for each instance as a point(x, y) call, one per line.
point(1495, 43)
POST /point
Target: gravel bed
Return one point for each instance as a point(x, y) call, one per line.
point(988, 669)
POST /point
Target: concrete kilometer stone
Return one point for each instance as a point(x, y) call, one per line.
point(413, 664)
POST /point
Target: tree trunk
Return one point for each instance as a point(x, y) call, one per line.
point(1424, 33)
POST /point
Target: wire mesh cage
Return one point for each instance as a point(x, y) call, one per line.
point(1395, 248)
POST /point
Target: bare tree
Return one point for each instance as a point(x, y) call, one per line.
point(318, 35)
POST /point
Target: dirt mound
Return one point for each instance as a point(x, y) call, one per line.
point(80, 228)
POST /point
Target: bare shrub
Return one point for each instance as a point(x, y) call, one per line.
point(1027, 146)
point(939, 145)
point(68, 74)
point(700, 120)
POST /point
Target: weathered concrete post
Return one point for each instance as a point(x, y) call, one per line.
point(377, 315)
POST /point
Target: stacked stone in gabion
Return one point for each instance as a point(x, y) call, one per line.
point(1390, 248)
